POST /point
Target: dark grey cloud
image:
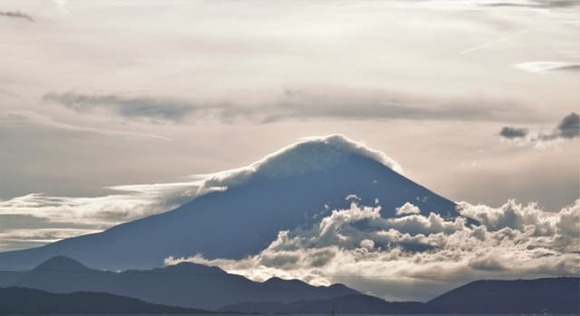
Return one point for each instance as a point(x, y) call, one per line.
point(536, 4)
point(571, 68)
point(513, 132)
point(16, 15)
point(130, 107)
point(293, 105)
point(569, 127)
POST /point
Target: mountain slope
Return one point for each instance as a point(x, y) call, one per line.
point(293, 187)
point(29, 301)
point(540, 296)
point(551, 296)
point(186, 285)
point(352, 304)
point(197, 286)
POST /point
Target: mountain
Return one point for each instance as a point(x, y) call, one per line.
point(197, 286)
point(185, 285)
point(352, 304)
point(17, 301)
point(540, 296)
point(245, 209)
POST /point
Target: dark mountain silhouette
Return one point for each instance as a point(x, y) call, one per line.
point(61, 263)
point(30, 301)
point(352, 304)
point(8, 277)
point(540, 296)
point(292, 188)
point(210, 288)
point(185, 284)
point(547, 296)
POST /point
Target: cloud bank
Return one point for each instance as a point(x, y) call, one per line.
point(37, 219)
point(418, 257)
point(291, 105)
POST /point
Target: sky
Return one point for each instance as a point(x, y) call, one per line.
point(110, 110)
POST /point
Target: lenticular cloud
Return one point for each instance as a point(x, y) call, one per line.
point(398, 258)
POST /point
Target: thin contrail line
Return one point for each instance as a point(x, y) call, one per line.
point(488, 44)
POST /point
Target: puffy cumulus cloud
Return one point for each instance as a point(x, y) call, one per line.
point(567, 128)
point(418, 257)
point(407, 209)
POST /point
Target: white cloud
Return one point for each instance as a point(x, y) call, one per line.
point(58, 218)
point(407, 209)
point(547, 66)
point(309, 154)
point(136, 201)
point(13, 239)
point(418, 257)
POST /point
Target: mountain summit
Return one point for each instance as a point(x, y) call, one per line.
point(61, 263)
point(312, 154)
point(185, 284)
point(244, 209)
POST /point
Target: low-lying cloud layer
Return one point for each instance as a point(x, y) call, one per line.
point(418, 257)
point(568, 128)
point(37, 219)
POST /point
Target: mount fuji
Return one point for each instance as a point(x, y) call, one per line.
point(242, 211)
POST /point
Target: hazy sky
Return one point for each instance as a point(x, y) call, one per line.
point(468, 96)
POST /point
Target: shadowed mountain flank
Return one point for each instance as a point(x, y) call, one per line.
point(29, 301)
point(185, 284)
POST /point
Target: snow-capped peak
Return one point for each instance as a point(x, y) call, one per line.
point(307, 155)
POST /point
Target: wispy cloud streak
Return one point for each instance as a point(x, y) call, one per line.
point(297, 105)
point(16, 15)
point(494, 42)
